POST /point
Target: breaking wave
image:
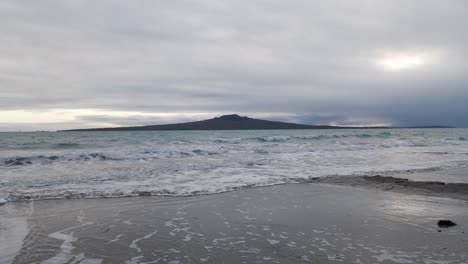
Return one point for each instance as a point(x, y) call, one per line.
point(323, 137)
point(66, 145)
point(110, 156)
point(107, 188)
point(44, 159)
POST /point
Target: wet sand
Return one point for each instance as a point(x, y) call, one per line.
point(400, 185)
point(295, 223)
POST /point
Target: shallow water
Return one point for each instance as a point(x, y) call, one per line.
point(48, 165)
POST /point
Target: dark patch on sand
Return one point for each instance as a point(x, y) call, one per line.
point(446, 223)
point(388, 183)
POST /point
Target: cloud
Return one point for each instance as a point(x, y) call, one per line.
point(363, 62)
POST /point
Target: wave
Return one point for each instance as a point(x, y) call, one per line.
point(91, 193)
point(273, 138)
point(184, 164)
point(47, 159)
point(111, 156)
point(321, 137)
point(109, 188)
point(66, 145)
point(227, 140)
point(41, 145)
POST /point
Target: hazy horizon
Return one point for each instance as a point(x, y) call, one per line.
point(84, 64)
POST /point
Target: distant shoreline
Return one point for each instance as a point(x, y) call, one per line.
point(266, 129)
point(340, 128)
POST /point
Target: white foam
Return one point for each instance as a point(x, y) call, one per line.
point(272, 241)
point(274, 138)
point(134, 243)
point(187, 238)
point(117, 238)
point(65, 255)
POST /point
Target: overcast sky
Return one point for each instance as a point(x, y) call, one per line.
point(69, 64)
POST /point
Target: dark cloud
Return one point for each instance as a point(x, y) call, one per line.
point(399, 62)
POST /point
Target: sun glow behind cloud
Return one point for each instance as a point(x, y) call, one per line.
point(401, 61)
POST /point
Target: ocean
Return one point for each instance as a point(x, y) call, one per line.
point(66, 165)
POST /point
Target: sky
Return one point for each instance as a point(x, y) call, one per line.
point(79, 64)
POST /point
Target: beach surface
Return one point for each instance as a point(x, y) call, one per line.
point(293, 223)
point(415, 184)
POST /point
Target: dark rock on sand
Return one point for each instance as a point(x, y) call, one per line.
point(446, 223)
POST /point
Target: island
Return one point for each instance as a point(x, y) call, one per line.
point(225, 122)
point(236, 122)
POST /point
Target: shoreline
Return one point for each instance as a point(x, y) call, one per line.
point(458, 191)
point(419, 183)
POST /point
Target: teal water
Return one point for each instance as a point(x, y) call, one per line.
point(46, 165)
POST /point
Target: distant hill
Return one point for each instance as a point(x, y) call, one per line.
point(234, 122)
point(225, 122)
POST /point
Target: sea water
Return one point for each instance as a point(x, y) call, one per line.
point(64, 165)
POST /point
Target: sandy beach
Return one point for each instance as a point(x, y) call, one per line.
point(294, 223)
